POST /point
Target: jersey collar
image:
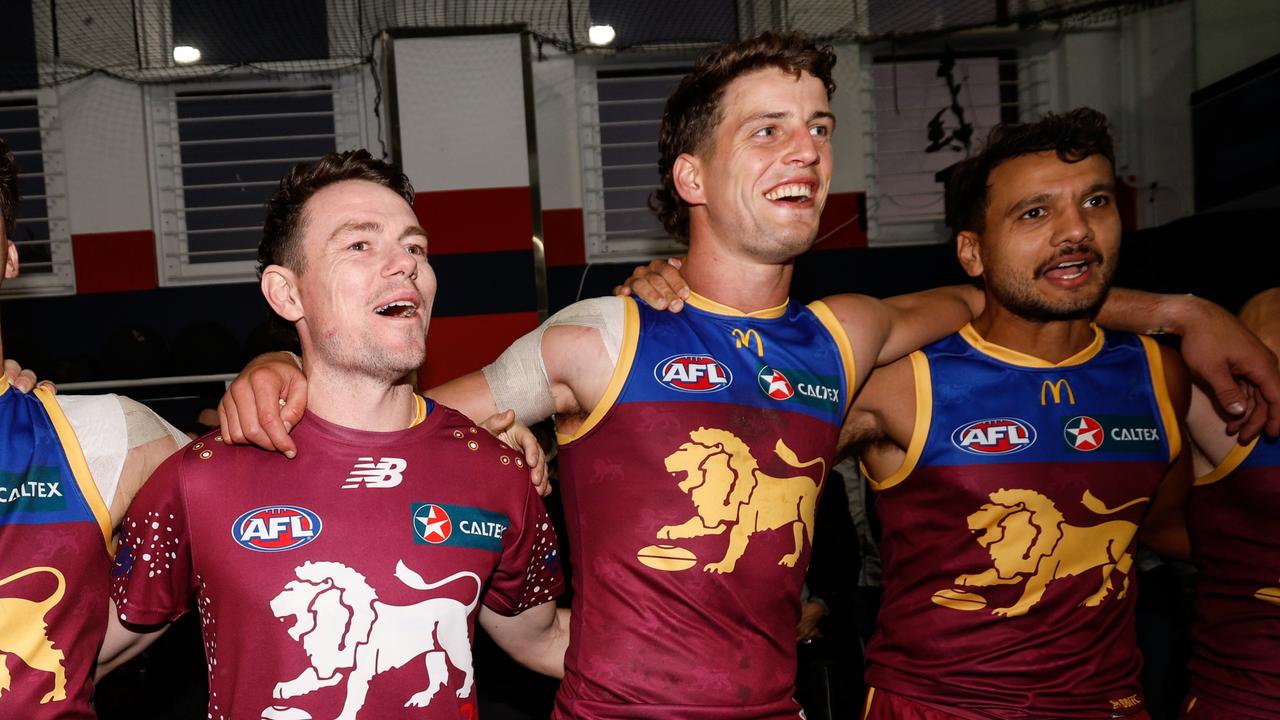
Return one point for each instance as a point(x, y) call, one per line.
point(1013, 357)
point(711, 306)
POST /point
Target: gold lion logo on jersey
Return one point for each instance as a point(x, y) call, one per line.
point(25, 633)
point(729, 492)
point(1030, 543)
point(1269, 595)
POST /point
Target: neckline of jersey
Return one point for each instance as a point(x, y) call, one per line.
point(706, 304)
point(422, 421)
point(970, 335)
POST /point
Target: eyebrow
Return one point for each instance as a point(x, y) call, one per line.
point(782, 115)
point(371, 226)
point(1040, 198)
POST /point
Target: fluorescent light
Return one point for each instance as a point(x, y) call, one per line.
point(600, 34)
point(185, 54)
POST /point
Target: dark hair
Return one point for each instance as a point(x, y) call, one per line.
point(279, 245)
point(8, 190)
point(693, 110)
point(1077, 135)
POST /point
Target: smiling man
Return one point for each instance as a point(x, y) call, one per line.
point(693, 446)
point(348, 582)
point(1016, 462)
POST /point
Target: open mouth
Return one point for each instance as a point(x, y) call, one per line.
point(792, 193)
point(1069, 270)
point(397, 309)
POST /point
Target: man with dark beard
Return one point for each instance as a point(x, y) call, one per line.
point(1016, 462)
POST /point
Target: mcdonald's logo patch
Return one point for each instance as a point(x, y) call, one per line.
point(743, 339)
point(1057, 390)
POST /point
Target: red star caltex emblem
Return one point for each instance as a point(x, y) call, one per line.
point(1084, 433)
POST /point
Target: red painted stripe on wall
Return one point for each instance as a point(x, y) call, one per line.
point(114, 261)
point(480, 220)
point(563, 237)
point(841, 226)
point(465, 343)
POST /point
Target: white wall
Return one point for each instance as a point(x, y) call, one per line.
point(556, 118)
point(108, 188)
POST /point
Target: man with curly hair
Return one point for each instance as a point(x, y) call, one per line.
point(693, 445)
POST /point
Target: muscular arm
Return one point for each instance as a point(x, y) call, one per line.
point(1217, 348)
point(1165, 527)
point(536, 638)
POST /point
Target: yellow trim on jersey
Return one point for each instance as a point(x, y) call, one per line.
point(1239, 453)
point(704, 303)
point(920, 431)
point(79, 468)
point(626, 357)
point(1013, 357)
point(420, 410)
point(1161, 388)
point(4, 383)
point(829, 321)
point(866, 707)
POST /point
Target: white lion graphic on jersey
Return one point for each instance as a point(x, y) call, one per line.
point(344, 628)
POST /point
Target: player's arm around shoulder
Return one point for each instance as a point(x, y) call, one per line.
point(1165, 529)
point(881, 422)
point(151, 442)
point(882, 331)
point(561, 368)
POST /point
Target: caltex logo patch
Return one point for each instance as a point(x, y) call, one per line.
point(458, 526)
point(775, 384)
point(1083, 433)
point(432, 524)
point(994, 436)
point(277, 528)
point(693, 373)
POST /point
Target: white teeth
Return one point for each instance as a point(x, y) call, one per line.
point(801, 190)
point(383, 310)
point(1079, 263)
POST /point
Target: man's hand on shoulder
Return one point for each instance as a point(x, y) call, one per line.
point(505, 427)
point(23, 380)
point(659, 284)
point(264, 402)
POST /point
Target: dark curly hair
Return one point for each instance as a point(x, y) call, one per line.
point(279, 245)
point(8, 190)
point(693, 110)
point(1077, 135)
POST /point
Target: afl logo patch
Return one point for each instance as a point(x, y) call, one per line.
point(693, 373)
point(276, 528)
point(994, 436)
point(432, 524)
point(775, 384)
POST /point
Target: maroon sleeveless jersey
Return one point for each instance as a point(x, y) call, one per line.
point(689, 501)
point(55, 542)
point(1232, 517)
point(1009, 531)
point(345, 582)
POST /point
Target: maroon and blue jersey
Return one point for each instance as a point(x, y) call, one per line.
point(1232, 514)
point(1009, 530)
point(55, 559)
point(689, 498)
point(345, 582)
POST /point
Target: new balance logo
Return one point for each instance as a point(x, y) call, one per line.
point(385, 473)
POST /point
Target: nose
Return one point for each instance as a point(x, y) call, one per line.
point(1073, 227)
point(399, 261)
point(803, 148)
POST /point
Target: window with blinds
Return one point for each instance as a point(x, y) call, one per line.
point(621, 111)
point(220, 151)
point(29, 123)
